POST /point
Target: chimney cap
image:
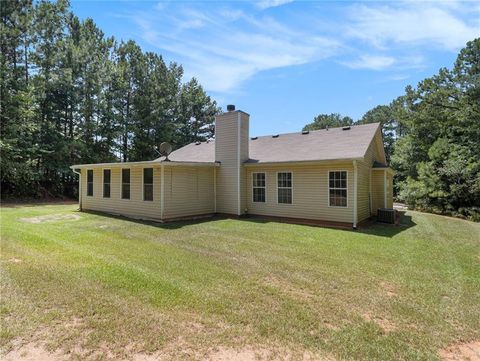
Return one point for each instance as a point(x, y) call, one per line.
point(230, 107)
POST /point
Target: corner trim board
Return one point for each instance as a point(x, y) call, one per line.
point(355, 181)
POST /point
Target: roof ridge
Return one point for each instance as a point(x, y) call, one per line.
point(319, 130)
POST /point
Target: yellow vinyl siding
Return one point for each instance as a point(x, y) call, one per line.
point(244, 156)
point(231, 149)
point(310, 196)
point(188, 191)
point(378, 198)
point(133, 207)
point(375, 152)
point(363, 191)
point(389, 190)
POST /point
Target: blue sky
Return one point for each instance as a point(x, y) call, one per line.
point(286, 61)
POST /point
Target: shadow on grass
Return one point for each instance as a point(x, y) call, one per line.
point(389, 230)
point(370, 227)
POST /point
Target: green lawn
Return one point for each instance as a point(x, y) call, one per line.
point(128, 287)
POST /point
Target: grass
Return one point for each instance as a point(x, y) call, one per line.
point(107, 283)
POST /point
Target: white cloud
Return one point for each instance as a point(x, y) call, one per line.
point(412, 24)
point(224, 46)
point(223, 56)
point(265, 4)
point(372, 62)
point(386, 62)
point(399, 77)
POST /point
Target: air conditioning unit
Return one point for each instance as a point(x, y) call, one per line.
point(386, 215)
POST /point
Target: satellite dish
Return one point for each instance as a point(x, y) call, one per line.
point(165, 149)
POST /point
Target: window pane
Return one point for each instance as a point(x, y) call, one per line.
point(285, 195)
point(259, 179)
point(126, 191)
point(90, 189)
point(338, 197)
point(106, 190)
point(106, 175)
point(125, 175)
point(148, 176)
point(259, 194)
point(90, 175)
point(284, 179)
point(148, 192)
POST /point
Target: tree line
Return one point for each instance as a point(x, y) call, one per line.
point(69, 94)
point(432, 138)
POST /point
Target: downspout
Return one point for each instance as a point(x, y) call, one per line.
point(384, 188)
point(215, 189)
point(162, 191)
point(355, 176)
point(79, 188)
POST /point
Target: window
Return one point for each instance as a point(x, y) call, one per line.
point(90, 182)
point(148, 184)
point(258, 184)
point(106, 182)
point(125, 183)
point(337, 188)
point(284, 188)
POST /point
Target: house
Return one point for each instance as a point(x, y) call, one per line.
point(334, 175)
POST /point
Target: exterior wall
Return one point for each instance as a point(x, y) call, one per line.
point(310, 198)
point(375, 151)
point(378, 195)
point(378, 190)
point(370, 183)
point(363, 191)
point(133, 207)
point(389, 190)
point(231, 149)
point(244, 155)
point(189, 191)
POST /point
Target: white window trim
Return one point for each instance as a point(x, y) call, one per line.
point(93, 182)
point(143, 183)
point(103, 182)
point(276, 180)
point(265, 187)
point(328, 188)
point(121, 184)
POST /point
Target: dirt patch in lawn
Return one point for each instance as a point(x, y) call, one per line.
point(33, 352)
point(385, 324)
point(289, 289)
point(389, 289)
point(260, 354)
point(462, 352)
point(50, 218)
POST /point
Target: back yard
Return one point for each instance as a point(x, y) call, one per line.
point(88, 286)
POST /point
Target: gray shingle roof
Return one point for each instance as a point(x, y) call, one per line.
point(331, 144)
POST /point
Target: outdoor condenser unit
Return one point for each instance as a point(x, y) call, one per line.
point(386, 215)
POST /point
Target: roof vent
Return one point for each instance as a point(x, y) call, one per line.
point(275, 136)
point(230, 107)
point(198, 143)
point(253, 138)
point(305, 131)
point(347, 127)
